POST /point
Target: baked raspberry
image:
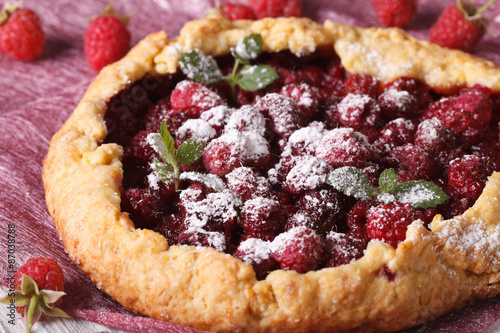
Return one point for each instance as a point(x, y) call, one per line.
point(221, 157)
point(455, 206)
point(489, 152)
point(193, 98)
point(341, 248)
point(467, 115)
point(397, 132)
point(200, 237)
point(247, 184)
point(310, 75)
point(329, 112)
point(412, 163)
point(121, 123)
point(389, 222)
point(197, 129)
point(358, 111)
point(276, 8)
point(139, 150)
point(171, 226)
point(362, 84)
point(257, 252)
point(262, 214)
point(143, 205)
point(162, 111)
point(299, 249)
point(307, 98)
point(246, 119)
point(326, 208)
point(217, 117)
point(468, 176)
point(332, 85)
point(305, 140)
point(433, 137)
point(404, 97)
point(237, 11)
point(283, 111)
point(344, 147)
point(308, 173)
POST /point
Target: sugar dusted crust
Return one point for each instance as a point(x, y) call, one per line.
point(436, 271)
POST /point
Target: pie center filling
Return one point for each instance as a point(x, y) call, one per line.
point(303, 173)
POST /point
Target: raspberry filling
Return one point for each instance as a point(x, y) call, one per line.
point(261, 190)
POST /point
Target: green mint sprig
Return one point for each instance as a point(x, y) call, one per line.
point(168, 169)
point(418, 193)
point(201, 67)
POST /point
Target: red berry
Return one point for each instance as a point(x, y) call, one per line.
point(342, 249)
point(458, 28)
point(162, 111)
point(276, 8)
point(299, 249)
point(45, 271)
point(238, 11)
point(262, 215)
point(344, 147)
point(257, 252)
point(468, 176)
point(306, 97)
point(412, 163)
point(247, 183)
point(21, 34)
point(139, 150)
point(193, 98)
point(358, 111)
point(171, 226)
point(389, 222)
point(394, 13)
point(106, 40)
point(433, 137)
point(143, 205)
point(362, 84)
point(284, 112)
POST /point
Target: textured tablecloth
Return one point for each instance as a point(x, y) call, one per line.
point(37, 97)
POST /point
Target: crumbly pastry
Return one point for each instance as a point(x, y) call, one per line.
point(437, 271)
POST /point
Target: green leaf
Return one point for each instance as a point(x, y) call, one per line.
point(200, 67)
point(388, 180)
point(168, 139)
point(248, 48)
point(210, 180)
point(420, 194)
point(190, 151)
point(351, 181)
point(256, 77)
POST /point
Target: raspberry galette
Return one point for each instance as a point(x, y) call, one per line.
point(280, 175)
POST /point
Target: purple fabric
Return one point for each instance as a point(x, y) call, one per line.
point(37, 97)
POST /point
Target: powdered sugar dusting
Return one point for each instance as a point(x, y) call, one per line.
point(308, 173)
point(255, 250)
point(196, 129)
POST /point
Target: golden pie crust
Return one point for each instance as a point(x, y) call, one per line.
point(437, 271)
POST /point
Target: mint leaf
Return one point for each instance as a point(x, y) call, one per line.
point(388, 180)
point(200, 67)
point(209, 179)
point(249, 47)
point(256, 77)
point(420, 194)
point(190, 151)
point(351, 181)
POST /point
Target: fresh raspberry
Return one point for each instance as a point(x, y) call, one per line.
point(412, 163)
point(299, 249)
point(21, 34)
point(257, 252)
point(197, 129)
point(434, 137)
point(193, 98)
point(247, 184)
point(47, 275)
point(162, 111)
point(468, 176)
point(262, 215)
point(459, 27)
point(397, 132)
point(344, 147)
point(358, 111)
point(238, 11)
point(468, 115)
point(362, 84)
point(394, 13)
point(306, 96)
point(305, 140)
point(217, 117)
point(106, 40)
point(143, 205)
point(488, 151)
point(276, 8)
point(308, 173)
point(246, 119)
point(139, 150)
point(332, 85)
point(405, 97)
point(389, 222)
